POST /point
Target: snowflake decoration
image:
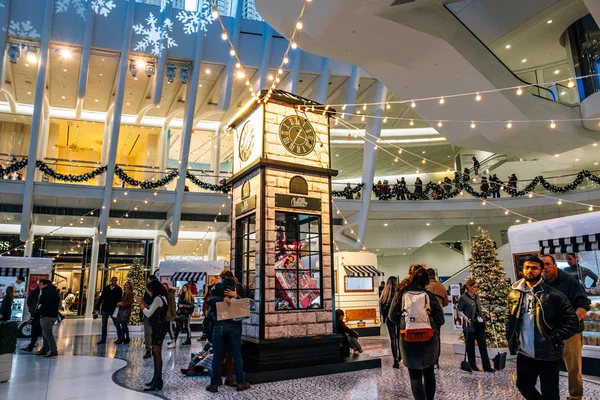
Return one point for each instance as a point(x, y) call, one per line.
point(24, 28)
point(80, 7)
point(103, 7)
point(155, 37)
point(163, 4)
point(195, 21)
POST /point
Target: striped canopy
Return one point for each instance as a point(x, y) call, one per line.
point(188, 276)
point(573, 244)
point(14, 272)
point(362, 270)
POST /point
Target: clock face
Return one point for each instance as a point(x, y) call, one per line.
point(246, 141)
point(297, 135)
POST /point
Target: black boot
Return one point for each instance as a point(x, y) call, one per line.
point(158, 385)
point(151, 382)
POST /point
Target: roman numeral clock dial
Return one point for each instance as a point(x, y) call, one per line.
point(297, 135)
point(246, 142)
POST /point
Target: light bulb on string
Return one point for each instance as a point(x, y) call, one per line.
point(232, 52)
point(294, 45)
point(299, 25)
point(440, 124)
point(477, 97)
point(413, 104)
point(530, 195)
point(509, 124)
point(519, 91)
point(385, 120)
point(559, 202)
point(506, 212)
point(364, 107)
point(411, 123)
point(286, 60)
point(224, 36)
point(215, 13)
point(473, 125)
point(552, 125)
point(280, 71)
point(483, 203)
point(388, 106)
point(570, 84)
point(363, 118)
point(590, 208)
point(442, 100)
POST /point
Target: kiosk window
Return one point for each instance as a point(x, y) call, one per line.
point(245, 249)
point(359, 284)
point(298, 281)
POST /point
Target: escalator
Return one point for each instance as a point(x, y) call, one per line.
point(421, 49)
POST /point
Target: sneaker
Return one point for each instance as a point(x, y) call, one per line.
point(187, 342)
point(171, 345)
point(52, 354)
point(41, 353)
point(396, 365)
point(243, 386)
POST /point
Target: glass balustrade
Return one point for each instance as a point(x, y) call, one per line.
point(583, 39)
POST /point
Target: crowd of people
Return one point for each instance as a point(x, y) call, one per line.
point(545, 310)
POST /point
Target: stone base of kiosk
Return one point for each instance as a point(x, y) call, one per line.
point(283, 359)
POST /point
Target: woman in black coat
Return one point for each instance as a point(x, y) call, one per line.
point(6, 308)
point(385, 301)
point(420, 357)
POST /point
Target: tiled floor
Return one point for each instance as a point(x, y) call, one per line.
point(84, 371)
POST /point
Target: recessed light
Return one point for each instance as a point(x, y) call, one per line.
point(127, 103)
point(595, 163)
point(518, 221)
point(577, 159)
point(470, 223)
point(423, 152)
point(595, 144)
point(207, 71)
point(549, 21)
point(563, 93)
point(49, 220)
point(428, 224)
point(200, 85)
point(507, 46)
point(101, 74)
point(96, 100)
point(29, 93)
point(403, 254)
point(64, 70)
point(385, 224)
point(337, 155)
point(556, 155)
point(27, 65)
point(409, 249)
point(63, 97)
point(556, 71)
point(524, 60)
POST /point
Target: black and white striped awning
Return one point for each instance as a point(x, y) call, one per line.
point(188, 276)
point(14, 272)
point(362, 270)
point(573, 244)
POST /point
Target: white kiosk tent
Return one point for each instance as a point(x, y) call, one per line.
point(178, 272)
point(574, 234)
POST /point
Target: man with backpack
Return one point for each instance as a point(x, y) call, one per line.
point(420, 316)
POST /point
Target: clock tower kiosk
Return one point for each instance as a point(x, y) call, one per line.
point(281, 247)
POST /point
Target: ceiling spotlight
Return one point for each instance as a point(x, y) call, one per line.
point(64, 53)
point(14, 52)
point(31, 55)
point(171, 72)
point(524, 60)
point(184, 73)
point(549, 21)
point(140, 63)
point(271, 77)
point(556, 71)
point(150, 70)
point(507, 46)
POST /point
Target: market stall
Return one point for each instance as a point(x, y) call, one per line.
point(197, 273)
point(578, 234)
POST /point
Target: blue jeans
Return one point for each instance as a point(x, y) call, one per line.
point(230, 333)
point(105, 316)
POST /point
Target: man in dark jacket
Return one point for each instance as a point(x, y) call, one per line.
point(147, 326)
point(34, 316)
point(570, 287)
point(539, 320)
point(47, 308)
point(110, 297)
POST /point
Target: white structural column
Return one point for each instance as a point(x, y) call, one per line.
point(43, 141)
point(36, 120)
point(212, 249)
point(263, 71)
point(216, 155)
point(352, 89)
point(323, 87)
point(156, 252)
point(174, 214)
point(116, 123)
point(4, 18)
point(92, 276)
point(162, 60)
point(85, 57)
point(163, 149)
point(29, 246)
point(227, 82)
point(295, 72)
point(370, 156)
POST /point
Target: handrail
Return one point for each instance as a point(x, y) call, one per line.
point(500, 61)
point(456, 274)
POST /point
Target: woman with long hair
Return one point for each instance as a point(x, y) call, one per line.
point(185, 309)
point(7, 301)
point(469, 308)
point(125, 312)
point(157, 314)
point(171, 313)
point(420, 356)
point(385, 301)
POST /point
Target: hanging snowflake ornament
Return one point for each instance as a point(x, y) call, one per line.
point(194, 21)
point(24, 29)
point(103, 7)
point(155, 36)
point(79, 6)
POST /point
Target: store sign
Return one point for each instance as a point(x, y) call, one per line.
point(5, 245)
point(297, 202)
point(33, 280)
point(246, 205)
point(172, 257)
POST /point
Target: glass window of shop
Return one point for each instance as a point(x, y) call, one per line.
point(76, 147)
point(298, 281)
point(245, 263)
point(14, 140)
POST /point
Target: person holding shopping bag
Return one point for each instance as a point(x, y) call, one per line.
point(469, 308)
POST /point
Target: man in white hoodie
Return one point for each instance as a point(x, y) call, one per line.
point(540, 319)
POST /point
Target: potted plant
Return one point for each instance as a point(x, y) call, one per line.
point(8, 344)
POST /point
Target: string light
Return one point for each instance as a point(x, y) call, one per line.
point(478, 97)
point(412, 122)
point(442, 100)
point(552, 125)
point(519, 91)
point(440, 124)
point(570, 84)
point(509, 124)
point(473, 125)
point(413, 104)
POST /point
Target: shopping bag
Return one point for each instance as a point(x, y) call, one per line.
point(500, 359)
point(238, 310)
point(115, 314)
point(464, 365)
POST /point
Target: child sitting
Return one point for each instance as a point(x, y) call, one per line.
point(351, 336)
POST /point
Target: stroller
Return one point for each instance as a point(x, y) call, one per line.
point(200, 363)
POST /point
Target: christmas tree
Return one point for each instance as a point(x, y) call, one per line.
point(494, 285)
point(137, 277)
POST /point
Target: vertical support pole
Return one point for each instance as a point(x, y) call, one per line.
point(4, 18)
point(212, 249)
point(159, 77)
point(116, 123)
point(43, 141)
point(227, 82)
point(370, 157)
point(322, 89)
point(156, 252)
point(352, 89)
point(163, 149)
point(86, 51)
point(38, 103)
point(265, 58)
point(93, 275)
point(295, 73)
point(29, 245)
point(216, 156)
point(186, 133)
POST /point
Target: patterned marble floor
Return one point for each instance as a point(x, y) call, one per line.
point(386, 383)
